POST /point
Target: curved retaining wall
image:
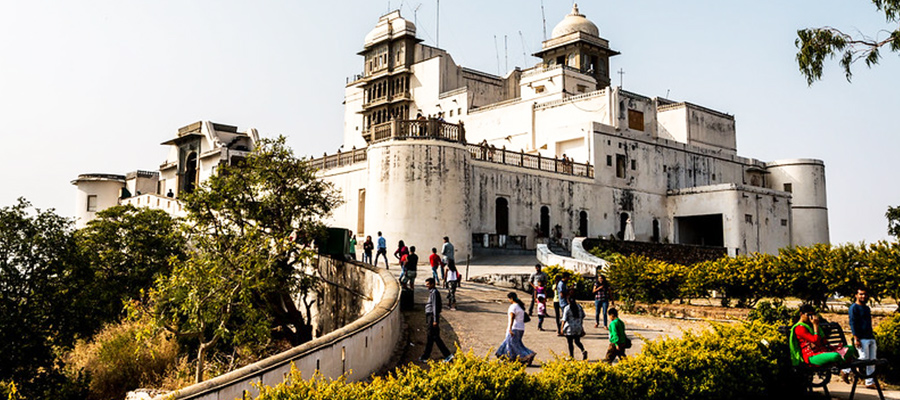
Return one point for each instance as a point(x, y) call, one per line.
point(363, 346)
point(547, 257)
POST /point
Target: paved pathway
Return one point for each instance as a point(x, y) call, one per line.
point(479, 323)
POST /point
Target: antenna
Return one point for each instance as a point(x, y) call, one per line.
point(667, 93)
point(505, 53)
point(524, 57)
point(416, 15)
point(621, 76)
point(437, 39)
point(544, 19)
point(497, 50)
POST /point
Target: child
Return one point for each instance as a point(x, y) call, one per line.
point(453, 282)
point(542, 305)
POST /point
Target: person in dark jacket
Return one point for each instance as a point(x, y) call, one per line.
point(432, 323)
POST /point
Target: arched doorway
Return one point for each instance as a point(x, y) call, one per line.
point(189, 179)
point(545, 221)
point(583, 224)
point(623, 220)
point(655, 230)
point(502, 216)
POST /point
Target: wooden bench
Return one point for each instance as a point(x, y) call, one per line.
point(819, 376)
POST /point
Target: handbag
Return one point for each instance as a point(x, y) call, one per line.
point(626, 343)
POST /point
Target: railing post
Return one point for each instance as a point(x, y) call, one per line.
point(522, 158)
point(503, 156)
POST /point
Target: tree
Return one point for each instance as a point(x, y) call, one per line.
point(42, 306)
point(893, 217)
point(249, 228)
point(817, 44)
point(127, 248)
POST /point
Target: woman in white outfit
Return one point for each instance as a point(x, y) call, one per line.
point(512, 347)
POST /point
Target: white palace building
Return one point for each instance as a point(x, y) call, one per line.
point(433, 149)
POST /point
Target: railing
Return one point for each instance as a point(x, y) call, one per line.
point(497, 241)
point(531, 161)
point(418, 129)
point(339, 160)
point(547, 257)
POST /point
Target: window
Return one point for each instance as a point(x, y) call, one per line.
point(633, 165)
point(620, 166)
point(361, 213)
point(789, 187)
point(748, 218)
point(784, 222)
point(609, 161)
point(451, 112)
point(92, 202)
point(635, 120)
point(713, 176)
point(539, 89)
point(581, 88)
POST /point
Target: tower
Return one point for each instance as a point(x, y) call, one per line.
point(389, 52)
point(576, 43)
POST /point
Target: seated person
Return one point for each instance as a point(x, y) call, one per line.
point(809, 345)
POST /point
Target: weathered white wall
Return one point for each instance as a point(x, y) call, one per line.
point(416, 192)
point(809, 202)
point(348, 181)
point(107, 191)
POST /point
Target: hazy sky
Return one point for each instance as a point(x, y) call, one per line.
point(96, 86)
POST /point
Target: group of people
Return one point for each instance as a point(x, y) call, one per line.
point(808, 343)
point(569, 318)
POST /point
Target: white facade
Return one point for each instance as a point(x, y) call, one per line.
point(671, 167)
point(194, 154)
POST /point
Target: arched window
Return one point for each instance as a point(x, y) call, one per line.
point(502, 216)
point(189, 179)
point(623, 220)
point(655, 230)
point(545, 221)
point(583, 224)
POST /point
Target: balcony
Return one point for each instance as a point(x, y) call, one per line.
point(416, 129)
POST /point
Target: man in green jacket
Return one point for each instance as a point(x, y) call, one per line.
point(618, 341)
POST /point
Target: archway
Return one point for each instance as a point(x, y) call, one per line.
point(623, 220)
point(583, 224)
point(655, 230)
point(501, 218)
point(189, 179)
point(545, 221)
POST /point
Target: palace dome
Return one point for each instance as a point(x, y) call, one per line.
point(575, 22)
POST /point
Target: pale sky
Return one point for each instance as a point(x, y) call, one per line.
point(96, 86)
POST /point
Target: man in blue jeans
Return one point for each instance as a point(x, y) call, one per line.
point(602, 299)
point(863, 337)
point(561, 293)
point(382, 251)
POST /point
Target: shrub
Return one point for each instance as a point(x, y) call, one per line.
point(887, 335)
point(581, 285)
point(772, 313)
point(121, 357)
point(746, 361)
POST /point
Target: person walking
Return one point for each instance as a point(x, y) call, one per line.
point(618, 340)
point(542, 307)
point(368, 246)
point(410, 266)
point(435, 261)
point(432, 324)
point(400, 254)
point(512, 347)
point(602, 299)
point(452, 284)
point(447, 256)
point(559, 299)
point(863, 338)
point(535, 280)
point(573, 328)
point(352, 245)
point(382, 251)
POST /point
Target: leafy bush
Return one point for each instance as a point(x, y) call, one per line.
point(772, 313)
point(747, 361)
point(581, 285)
point(887, 335)
point(122, 357)
point(638, 278)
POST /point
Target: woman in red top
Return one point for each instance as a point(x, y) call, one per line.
point(809, 345)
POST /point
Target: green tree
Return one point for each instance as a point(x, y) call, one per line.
point(127, 247)
point(893, 217)
point(250, 228)
point(817, 44)
point(42, 305)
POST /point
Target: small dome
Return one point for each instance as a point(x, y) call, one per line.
point(575, 22)
point(390, 26)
